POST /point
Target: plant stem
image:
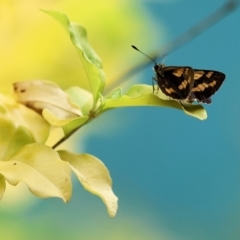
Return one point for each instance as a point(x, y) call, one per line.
point(91, 117)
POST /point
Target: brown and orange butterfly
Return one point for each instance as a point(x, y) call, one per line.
point(187, 84)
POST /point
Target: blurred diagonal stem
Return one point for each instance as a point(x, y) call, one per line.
point(187, 36)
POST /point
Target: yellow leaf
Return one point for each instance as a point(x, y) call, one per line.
point(41, 169)
point(94, 176)
point(19, 115)
point(39, 94)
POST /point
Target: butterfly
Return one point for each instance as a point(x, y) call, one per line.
point(187, 84)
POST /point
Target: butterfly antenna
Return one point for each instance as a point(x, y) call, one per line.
point(143, 53)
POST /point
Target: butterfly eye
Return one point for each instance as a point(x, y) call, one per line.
point(156, 67)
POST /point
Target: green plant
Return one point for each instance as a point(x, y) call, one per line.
point(25, 154)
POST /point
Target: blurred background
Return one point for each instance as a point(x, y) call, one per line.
point(176, 177)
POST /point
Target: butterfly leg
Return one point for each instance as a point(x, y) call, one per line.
point(154, 80)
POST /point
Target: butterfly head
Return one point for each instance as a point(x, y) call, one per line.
point(158, 67)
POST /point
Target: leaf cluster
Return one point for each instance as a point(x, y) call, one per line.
point(27, 121)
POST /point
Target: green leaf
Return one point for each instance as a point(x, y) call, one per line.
point(94, 177)
point(12, 136)
point(7, 130)
point(15, 140)
point(89, 58)
point(67, 125)
point(115, 94)
point(81, 98)
point(2, 186)
point(141, 95)
point(74, 124)
point(41, 169)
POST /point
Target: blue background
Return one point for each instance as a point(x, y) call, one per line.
point(176, 172)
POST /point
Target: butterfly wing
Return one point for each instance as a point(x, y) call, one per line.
point(206, 83)
point(175, 82)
